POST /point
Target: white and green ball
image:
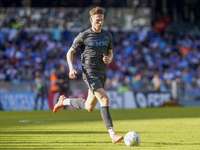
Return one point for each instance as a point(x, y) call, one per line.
point(132, 138)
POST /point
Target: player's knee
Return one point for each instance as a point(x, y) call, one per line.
point(89, 108)
point(105, 101)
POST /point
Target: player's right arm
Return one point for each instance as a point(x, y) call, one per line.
point(78, 42)
point(72, 71)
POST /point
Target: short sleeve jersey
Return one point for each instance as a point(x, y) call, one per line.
point(93, 45)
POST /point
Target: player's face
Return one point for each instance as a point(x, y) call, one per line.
point(97, 22)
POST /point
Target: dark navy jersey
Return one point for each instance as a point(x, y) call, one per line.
point(93, 45)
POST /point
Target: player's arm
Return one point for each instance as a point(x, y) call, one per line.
point(110, 54)
point(78, 42)
point(108, 59)
point(34, 86)
point(72, 71)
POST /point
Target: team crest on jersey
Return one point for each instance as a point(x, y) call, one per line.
point(91, 44)
point(106, 37)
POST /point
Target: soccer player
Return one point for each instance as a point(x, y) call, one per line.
point(96, 48)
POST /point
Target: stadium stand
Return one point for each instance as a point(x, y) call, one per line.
point(144, 58)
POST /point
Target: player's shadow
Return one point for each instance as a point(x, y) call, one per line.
point(90, 142)
point(53, 132)
point(131, 114)
point(155, 113)
point(157, 144)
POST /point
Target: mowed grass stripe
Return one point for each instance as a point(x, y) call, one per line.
point(160, 128)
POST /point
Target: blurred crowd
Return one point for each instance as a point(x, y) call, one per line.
point(41, 17)
point(149, 59)
point(144, 58)
point(74, 18)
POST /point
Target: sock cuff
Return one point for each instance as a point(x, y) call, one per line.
point(66, 101)
point(104, 106)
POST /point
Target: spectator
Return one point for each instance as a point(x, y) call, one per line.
point(185, 45)
point(198, 81)
point(187, 77)
point(115, 84)
point(12, 33)
point(136, 81)
point(195, 32)
point(53, 81)
point(63, 82)
point(156, 81)
point(126, 85)
point(2, 75)
point(2, 37)
point(56, 33)
point(39, 89)
point(168, 75)
point(66, 34)
point(10, 73)
point(161, 23)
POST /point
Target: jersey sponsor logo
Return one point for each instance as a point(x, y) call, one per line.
point(98, 43)
point(101, 43)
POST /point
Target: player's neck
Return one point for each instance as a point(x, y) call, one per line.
point(96, 30)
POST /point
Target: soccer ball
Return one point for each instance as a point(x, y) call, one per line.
point(132, 138)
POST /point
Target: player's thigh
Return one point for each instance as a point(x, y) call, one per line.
point(91, 101)
point(102, 97)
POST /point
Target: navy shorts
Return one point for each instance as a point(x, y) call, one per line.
point(93, 84)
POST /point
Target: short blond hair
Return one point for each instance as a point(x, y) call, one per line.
point(96, 10)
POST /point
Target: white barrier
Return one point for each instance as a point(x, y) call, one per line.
point(20, 101)
point(118, 100)
point(133, 100)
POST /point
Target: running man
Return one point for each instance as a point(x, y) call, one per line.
point(96, 48)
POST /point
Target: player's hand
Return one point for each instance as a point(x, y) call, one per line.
point(106, 59)
point(72, 74)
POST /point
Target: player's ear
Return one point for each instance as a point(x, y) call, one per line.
point(91, 18)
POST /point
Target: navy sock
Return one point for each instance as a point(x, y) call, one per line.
point(105, 114)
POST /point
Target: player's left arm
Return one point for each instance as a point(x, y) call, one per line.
point(110, 54)
point(108, 59)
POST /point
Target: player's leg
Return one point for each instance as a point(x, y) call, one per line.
point(79, 103)
point(91, 102)
point(36, 99)
point(63, 92)
point(42, 95)
point(103, 99)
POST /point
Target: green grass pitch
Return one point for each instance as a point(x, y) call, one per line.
point(170, 128)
